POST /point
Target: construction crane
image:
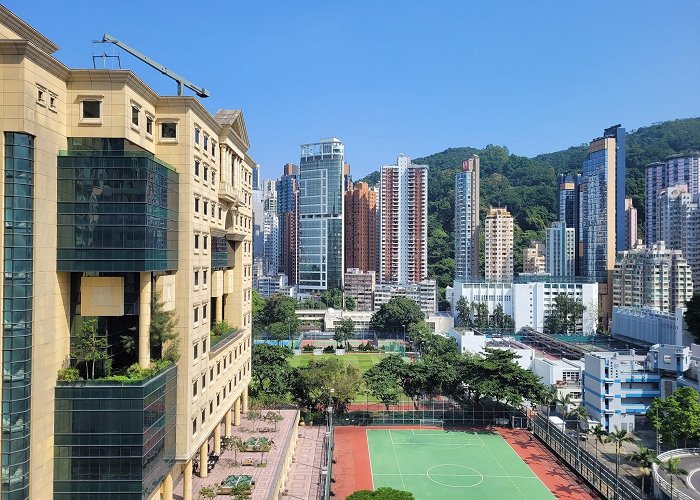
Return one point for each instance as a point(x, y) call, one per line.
point(181, 82)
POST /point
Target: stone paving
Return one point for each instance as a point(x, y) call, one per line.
point(305, 475)
point(266, 478)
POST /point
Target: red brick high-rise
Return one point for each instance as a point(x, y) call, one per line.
point(361, 228)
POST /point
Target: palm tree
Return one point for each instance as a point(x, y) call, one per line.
point(565, 402)
point(600, 435)
point(672, 466)
point(619, 437)
point(645, 458)
point(580, 412)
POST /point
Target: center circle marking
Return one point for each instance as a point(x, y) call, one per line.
point(468, 475)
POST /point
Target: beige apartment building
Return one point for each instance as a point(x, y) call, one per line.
point(117, 200)
point(498, 247)
point(534, 258)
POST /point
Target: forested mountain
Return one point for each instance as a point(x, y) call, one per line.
point(527, 186)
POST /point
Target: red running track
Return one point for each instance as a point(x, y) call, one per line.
point(352, 470)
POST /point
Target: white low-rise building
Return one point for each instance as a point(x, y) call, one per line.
point(440, 323)
point(468, 341)
point(565, 375)
point(530, 301)
point(643, 324)
point(423, 293)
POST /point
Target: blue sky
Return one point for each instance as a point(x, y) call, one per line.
point(391, 77)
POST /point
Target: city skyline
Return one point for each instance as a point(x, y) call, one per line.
point(508, 40)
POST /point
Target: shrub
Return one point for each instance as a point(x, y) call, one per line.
point(329, 349)
point(308, 348)
point(69, 374)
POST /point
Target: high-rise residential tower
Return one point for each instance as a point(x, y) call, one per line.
point(288, 212)
point(120, 205)
point(569, 189)
point(561, 250)
point(631, 223)
point(361, 228)
point(271, 229)
point(467, 220)
point(534, 258)
point(403, 226)
point(681, 169)
point(321, 216)
point(498, 245)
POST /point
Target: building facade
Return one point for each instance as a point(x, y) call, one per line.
point(361, 245)
point(560, 250)
point(673, 171)
point(534, 258)
point(359, 285)
point(648, 326)
point(530, 301)
point(288, 213)
point(321, 221)
point(271, 230)
point(467, 225)
point(403, 222)
point(655, 277)
point(120, 204)
point(498, 247)
point(423, 293)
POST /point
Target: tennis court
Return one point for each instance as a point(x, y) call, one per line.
point(436, 464)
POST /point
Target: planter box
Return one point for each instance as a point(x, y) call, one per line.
point(340, 352)
point(318, 352)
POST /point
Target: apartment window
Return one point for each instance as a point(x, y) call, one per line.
point(204, 381)
point(206, 142)
point(206, 210)
point(213, 148)
point(204, 311)
point(196, 204)
point(224, 362)
point(91, 109)
point(41, 95)
point(205, 242)
point(204, 276)
point(168, 130)
point(204, 345)
point(196, 135)
point(213, 208)
point(229, 386)
point(196, 314)
point(195, 350)
point(196, 242)
point(196, 278)
point(149, 125)
point(219, 213)
point(213, 177)
point(204, 415)
point(211, 407)
point(218, 368)
point(194, 426)
point(218, 400)
point(194, 388)
point(206, 170)
point(196, 168)
point(135, 115)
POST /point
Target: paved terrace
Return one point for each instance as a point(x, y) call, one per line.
point(305, 475)
point(266, 478)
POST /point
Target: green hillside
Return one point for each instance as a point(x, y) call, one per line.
point(527, 186)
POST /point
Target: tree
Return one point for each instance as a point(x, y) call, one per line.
point(692, 315)
point(420, 334)
point(382, 383)
point(618, 437)
point(311, 386)
point(350, 303)
point(89, 347)
point(344, 331)
point(644, 458)
point(272, 371)
point(234, 443)
point(279, 309)
point(481, 314)
point(332, 298)
point(396, 314)
point(241, 491)
point(566, 315)
point(383, 493)
point(676, 418)
point(257, 305)
point(599, 434)
point(274, 417)
point(208, 492)
point(464, 312)
point(672, 466)
point(165, 343)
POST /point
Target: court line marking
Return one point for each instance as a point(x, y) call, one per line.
point(452, 475)
point(499, 464)
point(477, 475)
point(369, 455)
point(397, 459)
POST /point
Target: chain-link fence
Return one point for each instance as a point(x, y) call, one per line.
point(568, 448)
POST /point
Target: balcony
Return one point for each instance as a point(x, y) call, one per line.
point(114, 438)
point(220, 342)
point(228, 193)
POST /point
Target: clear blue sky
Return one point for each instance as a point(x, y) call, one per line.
point(402, 76)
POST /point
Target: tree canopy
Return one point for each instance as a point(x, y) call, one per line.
point(278, 317)
point(677, 418)
point(384, 493)
point(692, 316)
point(396, 314)
point(271, 374)
point(311, 387)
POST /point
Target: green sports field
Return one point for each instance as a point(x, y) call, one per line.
point(434, 464)
point(364, 361)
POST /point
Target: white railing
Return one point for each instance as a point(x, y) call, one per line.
point(661, 481)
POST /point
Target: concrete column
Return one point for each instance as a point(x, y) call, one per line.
point(167, 489)
point(237, 412)
point(244, 400)
point(217, 439)
point(203, 457)
point(218, 310)
point(187, 481)
point(145, 320)
point(227, 424)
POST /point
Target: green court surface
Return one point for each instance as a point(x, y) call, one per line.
point(435, 464)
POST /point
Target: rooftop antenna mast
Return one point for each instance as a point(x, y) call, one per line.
point(181, 82)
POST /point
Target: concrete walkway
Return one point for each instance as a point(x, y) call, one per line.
point(305, 475)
